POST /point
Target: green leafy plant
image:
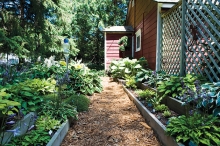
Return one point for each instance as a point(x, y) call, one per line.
point(146, 94)
point(161, 107)
point(7, 107)
point(8, 111)
point(47, 123)
point(206, 97)
point(130, 82)
point(30, 93)
point(196, 128)
point(122, 67)
point(143, 75)
point(58, 110)
point(211, 97)
point(80, 101)
point(171, 87)
point(34, 137)
point(123, 42)
point(85, 81)
point(166, 113)
point(156, 100)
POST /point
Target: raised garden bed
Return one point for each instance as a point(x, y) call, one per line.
point(157, 126)
point(22, 126)
point(58, 137)
point(173, 104)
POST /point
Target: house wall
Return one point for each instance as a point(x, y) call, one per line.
point(143, 15)
point(112, 47)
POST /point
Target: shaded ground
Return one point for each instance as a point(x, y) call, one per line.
point(112, 120)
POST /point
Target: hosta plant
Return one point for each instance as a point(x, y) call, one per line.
point(84, 81)
point(47, 123)
point(34, 137)
point(130, 82)
point(196, 129)
point(30, 93)
point(145, 94)
point(59, 110)
point(121, 68)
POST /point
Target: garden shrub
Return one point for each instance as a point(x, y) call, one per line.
point(80, 101)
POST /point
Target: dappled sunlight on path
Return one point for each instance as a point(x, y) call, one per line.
point(112, 120)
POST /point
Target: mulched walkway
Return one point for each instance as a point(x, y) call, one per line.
point(112, 120)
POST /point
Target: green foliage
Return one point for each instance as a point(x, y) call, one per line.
point(146, 94)
point(166, 113)
point(174, 86)
point(197, 128)
point(143, 75)
point(92, 17)
point(34, 137)
point(80, 101)
point(130, 82)
point(156, 100)
point(124, 67)
point(7, 107)
point(210, 93)
point(58, 110)
point(47, 123)
point(161, 107)
point(84, 81)
point(30, 93)
point(123, 42)
point(152, 78)
point(171, 87)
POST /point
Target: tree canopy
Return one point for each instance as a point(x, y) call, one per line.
point(32, 28)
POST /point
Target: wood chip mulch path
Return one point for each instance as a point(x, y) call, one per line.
point(112, 120)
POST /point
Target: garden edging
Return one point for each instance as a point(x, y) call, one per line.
point(23, 125)
point(58, 137)
point(172, 103)
point(157, 126)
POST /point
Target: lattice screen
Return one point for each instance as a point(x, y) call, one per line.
point(171, 40)
point(203, 38)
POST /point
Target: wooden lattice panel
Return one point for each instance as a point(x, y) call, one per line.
point(202, 38)
point(171, 40)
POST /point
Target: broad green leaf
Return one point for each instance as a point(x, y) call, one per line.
point(24, 105)
point(216, 112)
point(168, 91)
point(138, 66)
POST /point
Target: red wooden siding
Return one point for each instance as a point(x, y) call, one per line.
point(112, 47)
point(144, 16)
point(148, 38)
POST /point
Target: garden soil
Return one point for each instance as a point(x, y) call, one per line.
point(112, 120)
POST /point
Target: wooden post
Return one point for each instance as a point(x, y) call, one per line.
point(183, 49)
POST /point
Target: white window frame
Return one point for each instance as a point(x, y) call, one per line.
point(138, 34)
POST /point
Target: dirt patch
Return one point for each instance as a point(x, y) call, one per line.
point(112, 120)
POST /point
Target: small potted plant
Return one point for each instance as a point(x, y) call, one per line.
point(123, 43)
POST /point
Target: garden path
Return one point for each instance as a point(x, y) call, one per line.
point(112, 120)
